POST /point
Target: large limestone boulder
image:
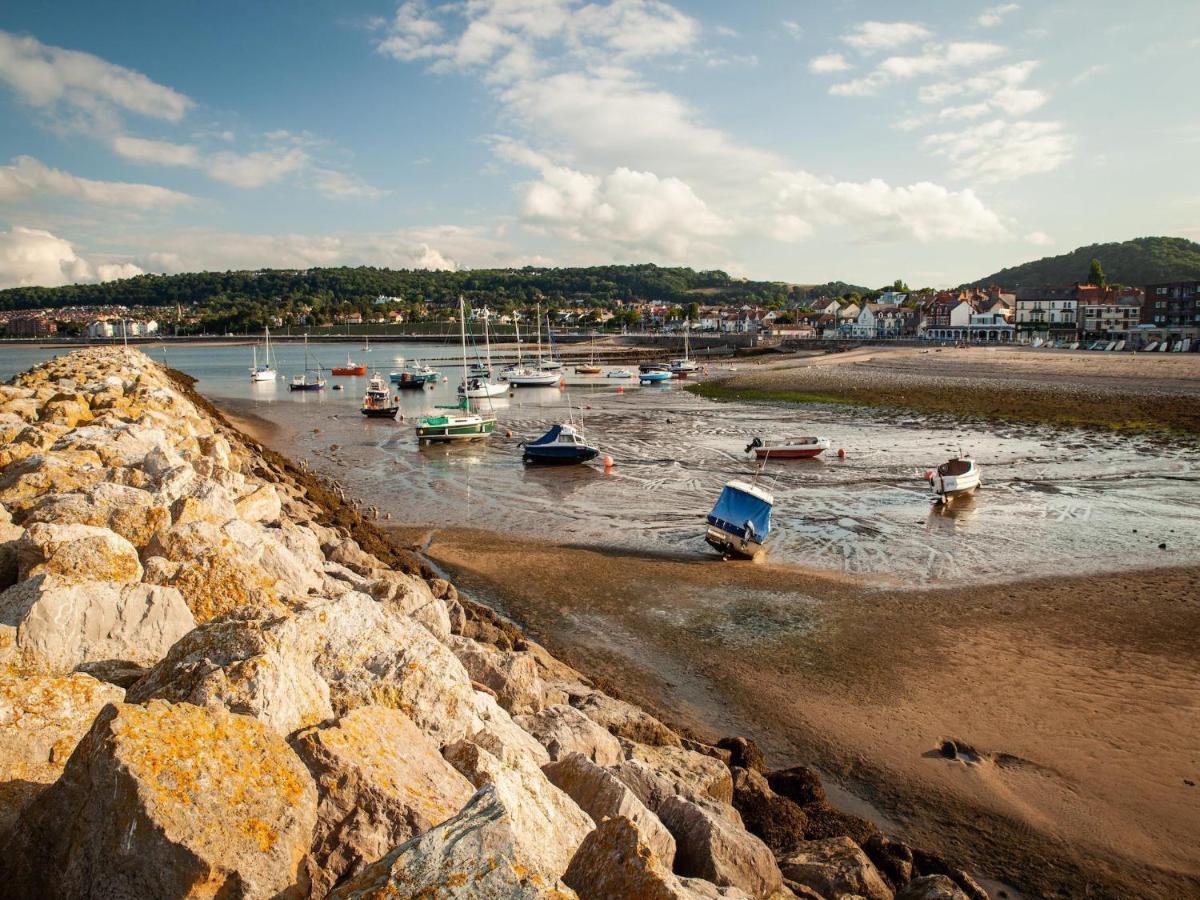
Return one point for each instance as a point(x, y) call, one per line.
point(168, 801)
point(564, 730)
point(656, 773)
point(835, 867)
point(61, 625)
point(42, 718)
point(478, 853)
point(10, 535)
point(252, 661)
point(23, 483)
point(210, 570)
point(259, 505)
point(497, 732)
point(613, 861)
point(624, 719)
point(600, 794)
point(132, 513)
point(713, 845)
point(75, 553)
point(117, 443)
point(511, 674)
point(548, 824)
point(380, 782)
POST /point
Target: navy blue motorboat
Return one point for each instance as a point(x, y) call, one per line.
point(562, 444)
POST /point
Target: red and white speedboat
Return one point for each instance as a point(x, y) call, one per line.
point(789, 448)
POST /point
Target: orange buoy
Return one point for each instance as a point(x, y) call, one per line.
point(841, 453)
point(508, 434)
point(608, 462)
point(929, 474)
point(620, 388)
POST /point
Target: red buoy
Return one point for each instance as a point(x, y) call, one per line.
point(929, 474)
point(841, 453)
point(620, 388)
point(508, 434)
point(608, 462)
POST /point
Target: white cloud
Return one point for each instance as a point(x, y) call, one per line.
point(793, 28)
point(923, 211)
point(343, 186)
point(46, 77)
point(163, 153)
point(830, 62)
point(1039, 239)
point(26, 177)
point(933, 58)
point(1003, 151)
point(872, 36)
point(994, 15)
point(254, 169)
point(632, 211)
point(636, 28)
point(30, 256)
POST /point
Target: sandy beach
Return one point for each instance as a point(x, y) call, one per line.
point(1074, 703)
point(1123, 391)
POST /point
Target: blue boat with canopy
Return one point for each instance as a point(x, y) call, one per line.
point(562, 444)
point(741, 521)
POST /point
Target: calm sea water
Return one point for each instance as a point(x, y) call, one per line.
point(1053, 501)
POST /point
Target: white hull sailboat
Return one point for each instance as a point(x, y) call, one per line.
point(523, 376)
point(479, 382)
point(265, 372)
point(682, 368)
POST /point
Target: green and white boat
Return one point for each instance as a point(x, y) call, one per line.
point(462, 424)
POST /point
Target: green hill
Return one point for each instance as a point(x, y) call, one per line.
point(1137, 262)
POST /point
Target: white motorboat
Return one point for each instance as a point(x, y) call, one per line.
point(618, 373)
point(476, 387)
point(954, 478)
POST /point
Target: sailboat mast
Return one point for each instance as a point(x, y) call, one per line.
point(462, 323)
point(539, 334)
point(487, 342)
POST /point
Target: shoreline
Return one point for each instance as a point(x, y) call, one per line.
point(994, 806)
point(1147, 394)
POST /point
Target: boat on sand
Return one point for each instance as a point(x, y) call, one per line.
point(741, 520)
point(789, 448)
point(953, 478)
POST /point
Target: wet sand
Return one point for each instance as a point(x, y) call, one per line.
point(1075, 702)
point(1123, 391)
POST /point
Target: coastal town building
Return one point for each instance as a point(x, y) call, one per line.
point(1048, 313)
point(30, 326)
point(1172, 310)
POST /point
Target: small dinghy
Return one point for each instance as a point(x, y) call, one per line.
point(562, 444)
point(377, 401)
point(952, 479)
point(741, 521)
point(789, 448)
point(587, 370)
point(618, 373)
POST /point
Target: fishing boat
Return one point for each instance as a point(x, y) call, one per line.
point(413, 377)
point(789, 448)
point(522, 375)
point(563, 444)
point(653, 377)
point(311, 380)
point(479, 382)
point(954, 478)
point(462, 424)
point(741, 520)
point(682, 368)
point(377, 401)
point(350, 368)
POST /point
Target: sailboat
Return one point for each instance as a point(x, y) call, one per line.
point(463, 424)
point(553, 364)
point(265, 372)
point(537, 377)
point(591, 368)
point(311, 380)
point(681, 368)
point(479, 383)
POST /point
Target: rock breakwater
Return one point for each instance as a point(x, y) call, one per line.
point(218, 681)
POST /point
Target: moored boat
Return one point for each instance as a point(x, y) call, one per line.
point(265, 372)
point(311, 380)
point(350, 368)
point(740, 522)
point(377, 401)
point(618, 373)
point(953, 478)
point(654, 377)
point(587, 369)
point(413, 377)
point(538, 376)
point(562, 444)
point(462, 424)
point(481, 387)
point(789, 448)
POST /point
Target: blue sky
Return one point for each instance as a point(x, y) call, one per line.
point(801, 141)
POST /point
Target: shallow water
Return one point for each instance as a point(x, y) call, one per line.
point(1053, 500)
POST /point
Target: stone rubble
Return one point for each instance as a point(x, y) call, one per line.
point(217, 681)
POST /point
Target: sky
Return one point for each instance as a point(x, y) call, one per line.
point(793, 140)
